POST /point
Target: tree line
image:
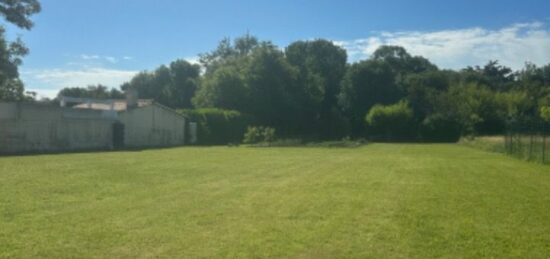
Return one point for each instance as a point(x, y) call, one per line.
point(309, 90)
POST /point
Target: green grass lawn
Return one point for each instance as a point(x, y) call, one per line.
point(379, 201)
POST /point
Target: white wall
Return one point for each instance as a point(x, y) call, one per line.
point(26, 127)
point(152, 126)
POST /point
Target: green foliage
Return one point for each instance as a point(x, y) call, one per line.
point(493, 75)
point(321, 65)
point(11, 89)
point(274, 93)
point(365, 84)
point(17, 12)
point(260, 134)
point(225, 88)
point(172, 85)
point(309, 92)
point(401, 61)
point(545, 113)
point(424, 91)
point(390, 122)
point(476, 108)
point(92, 91)
point(217, 126)
point(229, 53)
point(440, 128)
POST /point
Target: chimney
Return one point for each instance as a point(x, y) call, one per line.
point(131, 99)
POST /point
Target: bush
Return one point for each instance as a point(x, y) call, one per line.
point(255, 135)
point(440, 128)
point(217, 126)
point(390, 122)
point(545, 113)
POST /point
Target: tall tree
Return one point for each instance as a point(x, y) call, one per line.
point(424, 89)
point(493, 75)
point(172, 85)
point(271, 81)
point(401, 61)
point(225, 88)
point(184, 83)
point(322, 66)
point(365, 84)
point(229, 53)
point(17, 12)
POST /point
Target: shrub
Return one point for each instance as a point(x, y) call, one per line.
point(440, 128)
point(217, 126)
point(255, 135)
point(390, 122)
point(545, 113)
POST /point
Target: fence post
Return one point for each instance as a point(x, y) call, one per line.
point(531, 144)
point(543, 141)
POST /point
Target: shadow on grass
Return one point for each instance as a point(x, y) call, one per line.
point(83, 151)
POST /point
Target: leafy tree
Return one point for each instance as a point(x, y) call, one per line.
point(245, 44)
point(184, 82)
point(475, 107)
point(92, 91)
point(225, 88)
point(172, 85)
point(514, 104)
point(365, 84)
point(401, 61)
point(493, 75)
point(224, 85)
point(322, 65)
point(535, 83)
point(424, 89)
point(439, 127)
point(17, 12)
point(271, 82)
point(229, 53)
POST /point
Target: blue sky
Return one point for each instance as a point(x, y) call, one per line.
point(77, 42)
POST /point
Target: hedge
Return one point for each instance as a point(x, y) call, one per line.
point(217, 126)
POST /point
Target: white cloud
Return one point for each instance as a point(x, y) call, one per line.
point(111, 59)
point(193, 60)
point(512, 45)
point(47, 82)
point(43, 93)
point(95, 57)
point(89, 57)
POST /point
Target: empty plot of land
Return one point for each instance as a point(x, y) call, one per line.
point(381, 200)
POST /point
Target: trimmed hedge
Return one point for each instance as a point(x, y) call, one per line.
point(390, 122)
point(217, 126)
